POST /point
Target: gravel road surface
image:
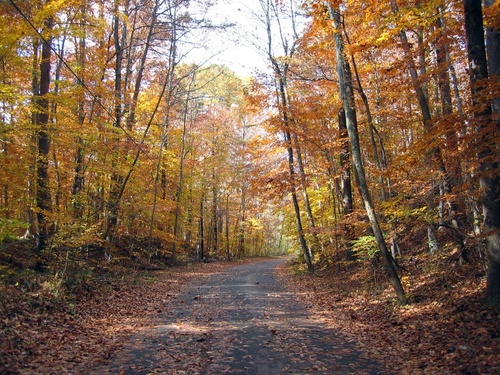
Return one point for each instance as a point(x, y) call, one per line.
point(239, 321)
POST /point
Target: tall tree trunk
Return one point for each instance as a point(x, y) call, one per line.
point(345, 164)
point(488, 127)
point(228, 245)
point(454, 213)
point(434, 154)
point(345, 180)
point(296, 206)
point(420, 90)
point(183, 154)
point(449, 64)
point(241, 225)
point(201, 231)
point(312, 224)
point(78, 177)
point(4, 143)
point(347, 95)
point(113, 204)
point(43, 197)
point(380, 162)
point(215, 213)
point(142, 63)
point(282, 99)
point(168, 88)
point(53, 118)
point(281, 73)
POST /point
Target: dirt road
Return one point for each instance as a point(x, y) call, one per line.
point(240, 321)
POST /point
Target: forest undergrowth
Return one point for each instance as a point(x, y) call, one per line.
point(447, 328)
point(71, 320)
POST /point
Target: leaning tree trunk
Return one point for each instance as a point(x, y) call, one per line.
point(296, 206)
point(291, 167)
point(312, 223)
point(489, 133)
point(347, 95)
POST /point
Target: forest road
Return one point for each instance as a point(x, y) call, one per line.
point(239, 321)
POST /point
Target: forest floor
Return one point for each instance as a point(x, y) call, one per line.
point(447, 329)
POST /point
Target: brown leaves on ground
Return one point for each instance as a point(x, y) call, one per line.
point(41, 335)
point(447, 329)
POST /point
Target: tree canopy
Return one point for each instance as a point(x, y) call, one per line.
point(115, 143)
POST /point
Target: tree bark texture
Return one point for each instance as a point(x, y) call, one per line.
point(489, 128)
point(43, 194)
point(347, 95)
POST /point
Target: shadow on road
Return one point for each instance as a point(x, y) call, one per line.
point(240, 321)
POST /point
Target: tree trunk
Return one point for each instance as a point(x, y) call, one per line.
point(241, 225)
point(381, 161)
point(201, 231)
point(228, 245)
point(116, 178)
point(215, 226)
point(183, 154)
point(488, 128)
point(167, 88)
point(347, 95)
point(312, 223)
point(345, 164)
point(281, 73)
point(296, 206)
point(43, 197)
point(345, 180)
point(78, 177)
point(420, 91)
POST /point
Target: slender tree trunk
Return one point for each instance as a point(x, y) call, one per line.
point(454, 213)
point(4, 145)
point(345, 179)
point(241, 226)
point(215, 213)
point(345, 164)
point(451, 68)
point(380, 161)
point(347, 95)
point(183, 154)
point(78, 174)
point(296, 206)
point(312, 223)
point(43, 197)
point(201, 231)
point(142, 63)
point(281, 72)
point(116, 178)
point(228, 245)
point(78, 177)
point(168, 88)
point(434, 154)
point(488, 127)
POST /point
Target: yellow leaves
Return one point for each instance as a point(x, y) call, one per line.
point(398, 209)
point(9, 93)
point(255, 224)
point(384, 37)
point(492, 15)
